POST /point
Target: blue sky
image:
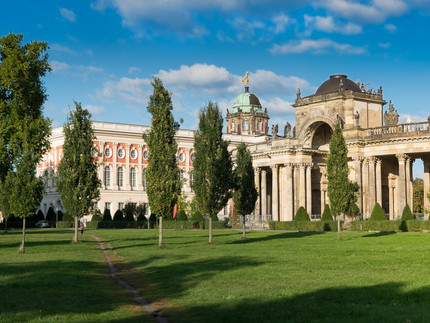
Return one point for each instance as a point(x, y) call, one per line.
point(104, 53)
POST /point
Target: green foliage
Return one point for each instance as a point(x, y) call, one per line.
point(97, 215)
point(118, 216)
point(378, 213)
point(301, 215)
point(162, 173)
point(129, 211)
point(197, 217)
point(326, 216)
point(213, 176)
point(51, 215)
point(407, 214)
point(303, 225)
point(337, 173)
point(181, 216)
point(107, 216)
point(245, 194)
point(140, 212)
point(67, 217)
point(79, 184)
point(418, 193)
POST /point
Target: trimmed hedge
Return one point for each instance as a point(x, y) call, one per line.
point(393, 225)
point(187, 225)
point(190, 225)
point(304, 225)
point(64, 224)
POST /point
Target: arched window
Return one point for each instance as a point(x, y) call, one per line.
point(120, 176)
point(106, 176)
point(144, 179)
point(132, 177)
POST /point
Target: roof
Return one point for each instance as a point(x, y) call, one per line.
point(333, 84)
point(245, 102)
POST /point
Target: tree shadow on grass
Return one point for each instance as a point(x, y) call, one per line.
point(284, 235)
point(379, 303)
point(379, 234)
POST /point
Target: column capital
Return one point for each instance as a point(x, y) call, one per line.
point(274, 167)
point(402, 157)
point(257, 170)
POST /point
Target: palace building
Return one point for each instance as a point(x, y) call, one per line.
point(290, 168)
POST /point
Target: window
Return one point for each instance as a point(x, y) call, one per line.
point(145, 154)
point(181, 174)
point(106, 176)
point(192, 156)
point(121, 153)
point(245, 125)
point(133, 154)
point(144, 179)
point(233, 126)
point(120, 206)
point(107, 206)
point(133, 177)
point(108, 152)
point(181, 157)
point(259, 125)
point(191, 179)
point(120, 176)
point(94, 151)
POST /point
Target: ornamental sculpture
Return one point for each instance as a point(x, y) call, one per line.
point(391, 117)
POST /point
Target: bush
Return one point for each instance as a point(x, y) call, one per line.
point(214, 218)
point(304, 225)
point(377, 213)
point(51, 216)
point(326, 216)
point(197, 217)
point(60, 216)
point(301, 215)
point(118, 216)
point(106, 215)
point(97, 215)
point(67, 217)
point(65, 224)
point(129, 211)
point(407, 214)
point(181, 216)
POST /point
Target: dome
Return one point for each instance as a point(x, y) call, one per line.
point(245, 102)
point(333, 85)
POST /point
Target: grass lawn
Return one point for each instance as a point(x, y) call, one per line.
point(269, 277)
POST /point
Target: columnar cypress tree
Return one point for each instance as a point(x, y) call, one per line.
point(162, 173)
point(245, 194)
point(23, 129)
point(337, 174)
point(78, 183)
point(213, 176)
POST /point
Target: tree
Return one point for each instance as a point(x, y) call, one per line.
point(118, 215)
point(418, 191)
point(302, 215)
point(107, 216)
point(245, 194)
point(326, 216)
point(337, 175)
point(78, 183)
point(213, 176)
point(407, 214)
point(162, 173)
point(24, 131)
point(129, 211)
point(378, 213)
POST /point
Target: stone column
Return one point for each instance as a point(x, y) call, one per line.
point(263, 194)
point(372, 186)
point(296, 188)
point(410, 184)
point(289, 201)
point(358, 179)
point(365, 188)
point(302, 185)
point(391, 185)
point(426, 163)
point(309, 189)
point(139, 168)
point(257, 172)
point(378, 181)
point(127, 167)
point(402, 197)
point(115, 167)
point(101, 164)
point(275, 185)
point(408, 181)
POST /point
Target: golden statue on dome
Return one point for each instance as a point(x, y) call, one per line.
point(245, 79)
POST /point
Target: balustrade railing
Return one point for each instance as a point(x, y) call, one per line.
point(400, 129)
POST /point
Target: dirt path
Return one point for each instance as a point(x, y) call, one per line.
point(145, 305)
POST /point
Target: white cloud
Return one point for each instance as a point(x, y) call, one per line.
point(95, 109)
point(390, 27)
point(134, 70)
point(135, 90)
point(328, 25)
point(315, 46)
point(278, 106)
point(68, 14)
point(384, 45)
point(60, 48)
point(59, 66)
point(281, 21)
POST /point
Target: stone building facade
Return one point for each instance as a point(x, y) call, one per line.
point(290, 169)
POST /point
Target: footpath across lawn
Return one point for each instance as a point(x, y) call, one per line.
point(268, 277)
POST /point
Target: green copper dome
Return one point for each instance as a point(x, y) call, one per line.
point(245, 102)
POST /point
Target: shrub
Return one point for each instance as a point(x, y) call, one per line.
point(304, 225)
point(407, 214)
point(377, 213)
point(214, 217)
point(39, 216)
point(129, 211)
point(97, 215)
point(106, 215)
point(181, 216)
point(326, 216)
point(301, 215)
point(60, 216)
point(51, 216)
point(118, 216)
point(197, 217)
point(67, 217)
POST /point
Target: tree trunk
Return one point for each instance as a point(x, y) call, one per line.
point(75, 238)
point(338, 227)
point(243, 226)
point(5, 224)
point(210, 229)
point(22, 247)
point(160, 233)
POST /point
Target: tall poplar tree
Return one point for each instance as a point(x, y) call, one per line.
point(213, 176)
point(245, 194)
point(162, 173)
point(24, 131)
point(78, 183)
point(338, 189)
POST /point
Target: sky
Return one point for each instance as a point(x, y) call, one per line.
point(104, 53)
